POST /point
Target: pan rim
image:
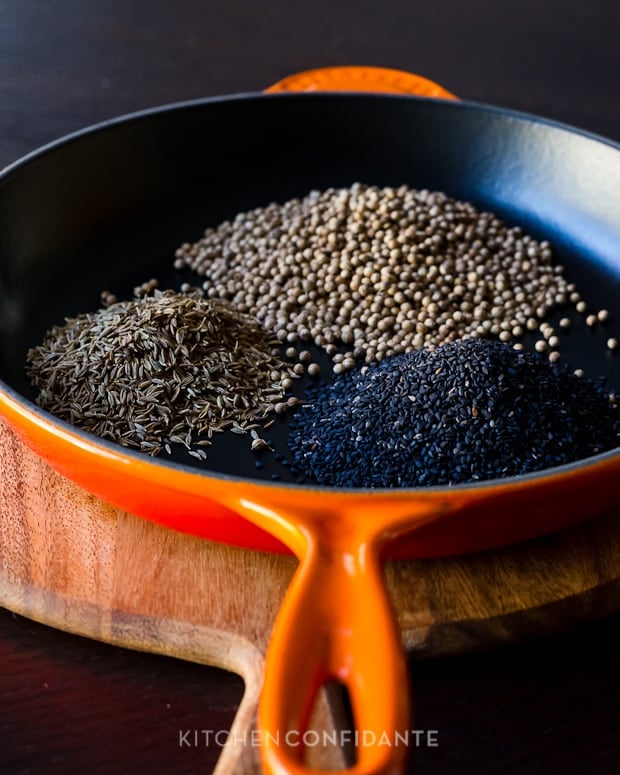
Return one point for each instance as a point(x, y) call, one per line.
point(72, 434)
point(246, 97)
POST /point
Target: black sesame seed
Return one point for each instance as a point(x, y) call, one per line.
point(482, 410)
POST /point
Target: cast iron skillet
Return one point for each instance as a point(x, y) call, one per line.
point(107, 207)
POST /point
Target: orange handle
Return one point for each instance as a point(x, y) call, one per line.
point(365, 79)
point(336, 623)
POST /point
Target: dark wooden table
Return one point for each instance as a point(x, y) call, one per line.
point(69, 705)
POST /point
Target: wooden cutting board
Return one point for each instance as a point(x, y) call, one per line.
point(73, 562)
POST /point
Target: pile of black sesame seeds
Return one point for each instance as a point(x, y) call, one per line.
point(461, 412)
point(367, 272)
point(163, 368)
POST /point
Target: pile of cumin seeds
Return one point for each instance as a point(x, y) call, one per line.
point(366, 272)
point(461, 412)
point(160, 369)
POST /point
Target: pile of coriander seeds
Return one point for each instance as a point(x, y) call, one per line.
point(366, 272)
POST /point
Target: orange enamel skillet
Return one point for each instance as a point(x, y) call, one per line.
point(336, 622)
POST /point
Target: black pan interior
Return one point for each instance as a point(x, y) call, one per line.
point(107, 208)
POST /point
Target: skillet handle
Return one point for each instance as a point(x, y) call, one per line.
point(336, 623)
point(364, 79)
